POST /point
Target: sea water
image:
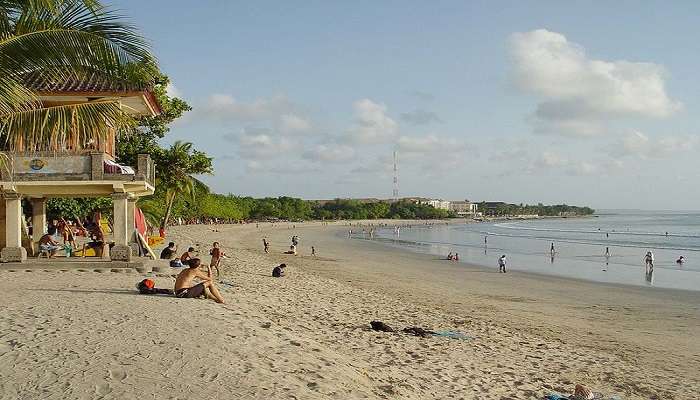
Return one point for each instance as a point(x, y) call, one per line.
point(579, 246)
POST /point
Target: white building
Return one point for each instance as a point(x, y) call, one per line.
point(438, 203)
point(464, 207)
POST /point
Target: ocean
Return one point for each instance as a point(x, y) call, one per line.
point(579, 246)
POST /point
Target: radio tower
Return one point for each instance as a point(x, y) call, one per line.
point(396, 177)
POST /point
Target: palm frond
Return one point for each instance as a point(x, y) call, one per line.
point(58, 127)
point(76, 35)
point(15, 97)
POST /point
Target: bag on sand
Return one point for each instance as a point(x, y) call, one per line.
point(147, 286)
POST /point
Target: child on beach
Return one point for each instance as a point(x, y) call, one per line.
point(216, 256)
point(266, 246)
point(278, 271)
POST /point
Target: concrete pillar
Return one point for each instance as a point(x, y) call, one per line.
point(130, 209)
point(121, 250)
point(13, 251)
point(38, 221)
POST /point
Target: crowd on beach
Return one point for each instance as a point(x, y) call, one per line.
point(68, 231)
point(185, 286)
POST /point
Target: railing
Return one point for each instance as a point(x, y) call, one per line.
point(73, 166)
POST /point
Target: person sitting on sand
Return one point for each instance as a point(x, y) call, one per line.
point(47, 244)
point(278, 271)
point(97, 240)
point(185, 287)
point(450, 256)
point(456, 257)
point(168, 252)
point(187, 256)
point(292, 250)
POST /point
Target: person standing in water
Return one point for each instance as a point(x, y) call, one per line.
point(551, 249)
point(502, 264)
point(649, 260)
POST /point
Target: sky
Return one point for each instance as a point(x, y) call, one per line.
point(579, 102)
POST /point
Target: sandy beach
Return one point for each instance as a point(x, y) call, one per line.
point(89, 335)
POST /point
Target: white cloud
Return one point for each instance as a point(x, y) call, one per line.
point(336, 153)
point(292, 123)
point(429, 144)
point(550, 159)
point(256, 144)
point(640, 145)
point(579, 93)
point(227, 107)
point(172, 91)
point(260, 167)
point(420, 117)
point(372, 125)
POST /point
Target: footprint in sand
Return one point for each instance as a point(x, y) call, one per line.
point(117, 375)
point(103, 389)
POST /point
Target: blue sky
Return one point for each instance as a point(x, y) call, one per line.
point(579, 102)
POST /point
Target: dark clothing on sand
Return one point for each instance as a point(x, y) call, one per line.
point(190, 293)
point(167, 253)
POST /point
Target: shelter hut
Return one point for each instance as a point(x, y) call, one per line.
point(75, 168)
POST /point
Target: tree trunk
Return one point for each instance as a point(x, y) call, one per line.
point(168, 208)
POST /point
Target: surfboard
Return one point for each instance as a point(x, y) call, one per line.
point(145, 245)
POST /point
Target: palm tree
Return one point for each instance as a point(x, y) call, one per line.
point(180, 162)
point(59, 43)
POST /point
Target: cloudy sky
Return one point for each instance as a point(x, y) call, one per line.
point(591, 103)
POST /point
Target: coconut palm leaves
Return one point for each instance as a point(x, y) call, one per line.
point(178, 165)
point(49, 45)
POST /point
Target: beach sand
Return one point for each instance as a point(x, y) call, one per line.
point(89, 335)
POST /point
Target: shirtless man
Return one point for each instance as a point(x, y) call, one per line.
point(47, 244)
point(216, 255)
point(186, 289)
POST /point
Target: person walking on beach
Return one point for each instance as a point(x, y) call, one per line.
point(649, 260)
point(502, 264)
point(185, 288)
point(216, 256)
point(266, 246)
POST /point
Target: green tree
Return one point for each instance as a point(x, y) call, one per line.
point(60, 42)
point(143, 138)
point(183, 162)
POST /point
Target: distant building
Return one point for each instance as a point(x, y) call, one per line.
point(463, 207)
point(491, 207)
point(436, 203)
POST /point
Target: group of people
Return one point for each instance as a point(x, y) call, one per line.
point(68, 231)
point(453, 257)
point(185, 286)
point(188, 257)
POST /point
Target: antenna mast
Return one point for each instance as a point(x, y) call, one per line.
point(396, 177)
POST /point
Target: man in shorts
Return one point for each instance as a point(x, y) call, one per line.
point(186, 289)
point(47, 244)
